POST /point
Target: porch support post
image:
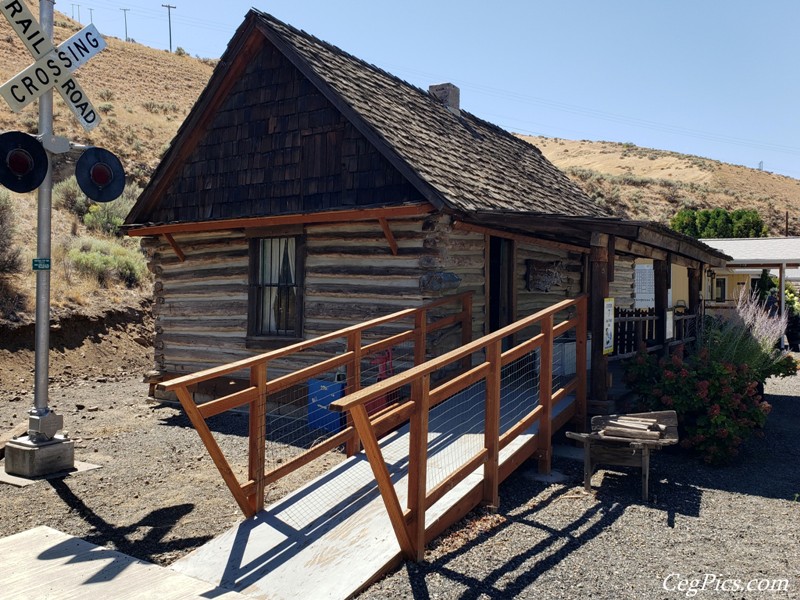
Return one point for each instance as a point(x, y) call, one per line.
point(695, 284)
point(598, 259)
point(661, 270)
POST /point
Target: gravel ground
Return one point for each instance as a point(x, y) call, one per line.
point(158, 496)
point(706, 531)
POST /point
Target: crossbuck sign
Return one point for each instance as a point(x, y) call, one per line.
point(52, 67)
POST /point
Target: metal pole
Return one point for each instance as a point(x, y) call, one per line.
point(125, 12)
point(169, 8)
point(43, 232)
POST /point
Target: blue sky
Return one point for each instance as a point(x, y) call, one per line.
point(716, 78)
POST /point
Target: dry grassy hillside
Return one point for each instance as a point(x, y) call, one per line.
point(652, 185)
point(142, 95)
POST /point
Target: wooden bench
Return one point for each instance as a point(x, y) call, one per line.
point(624, 451)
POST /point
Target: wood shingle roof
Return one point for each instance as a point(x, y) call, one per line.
point(457, 161)
point(471, 163)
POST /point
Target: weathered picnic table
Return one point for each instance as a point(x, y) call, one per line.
point(601, 447)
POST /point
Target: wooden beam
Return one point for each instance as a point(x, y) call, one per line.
point(679, 246)
point(389, 235)
point(695, 285)
point(257, 436)
point(214, 450)
point(612, 256)
point(418, 463)
point(526, 239)
point(627, 246)
point(171, 241)
point(660, 278)
point(599, 291)
point(384, 480)
point(491, 428)
point(331, 216)
point(546, 397)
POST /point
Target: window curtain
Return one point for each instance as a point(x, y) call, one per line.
point(278, 309)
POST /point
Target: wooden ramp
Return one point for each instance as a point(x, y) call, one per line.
point(333, 536)
point(45, 563)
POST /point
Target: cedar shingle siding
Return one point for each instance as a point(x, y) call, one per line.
point(278, 146)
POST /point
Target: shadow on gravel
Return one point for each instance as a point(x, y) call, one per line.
point(157, 525)
point(766, 466)
point(505, 581)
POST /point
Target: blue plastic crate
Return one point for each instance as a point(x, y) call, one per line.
point(320, 394)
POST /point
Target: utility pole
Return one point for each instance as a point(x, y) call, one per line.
point(125, 12)
point(91, 15)
point(169, 8)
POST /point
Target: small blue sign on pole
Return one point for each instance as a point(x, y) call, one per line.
point(41, 264)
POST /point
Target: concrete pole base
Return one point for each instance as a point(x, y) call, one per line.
point(25, 458)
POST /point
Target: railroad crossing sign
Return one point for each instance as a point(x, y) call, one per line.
point(52, 66)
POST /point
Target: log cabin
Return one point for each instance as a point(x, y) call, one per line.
point(308, 190)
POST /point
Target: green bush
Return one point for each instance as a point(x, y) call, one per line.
point(68, 195)
point(10, 261)
point(108, 217)
point(717, 403)
point(716, 392)
point(108, 260)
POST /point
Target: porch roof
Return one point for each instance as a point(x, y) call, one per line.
point(759, 252)
point(637, 238)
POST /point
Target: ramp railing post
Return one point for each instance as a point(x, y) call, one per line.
point(353, 445)
point(418, 463)
point(257, 435)
point(491, 469)
point(383, 479)
point(546, 395)
point(420, 335)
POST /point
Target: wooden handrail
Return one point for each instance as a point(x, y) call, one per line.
point(409, 523)
point(437, 363)
point(246, 363)
point(250, 495)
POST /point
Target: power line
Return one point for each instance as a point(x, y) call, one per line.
point(169, 8)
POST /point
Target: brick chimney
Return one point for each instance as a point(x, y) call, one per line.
point(447, 94)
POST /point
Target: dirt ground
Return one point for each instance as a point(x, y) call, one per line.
point(157, 495)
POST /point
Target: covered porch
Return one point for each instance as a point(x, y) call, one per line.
point(610, 249)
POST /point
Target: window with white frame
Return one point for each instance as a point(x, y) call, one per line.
point(275, 287)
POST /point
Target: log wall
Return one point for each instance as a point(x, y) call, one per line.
point(350, 276)
point(551, 274)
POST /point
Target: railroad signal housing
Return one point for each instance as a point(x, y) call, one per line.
point(23, 162)
point(100, 175)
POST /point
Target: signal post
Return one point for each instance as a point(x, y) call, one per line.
point(25, 164)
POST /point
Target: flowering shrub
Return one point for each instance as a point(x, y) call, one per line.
point(717, 403)
point(716, 392)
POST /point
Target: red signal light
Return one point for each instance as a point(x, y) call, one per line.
point(101, 174)
point(23, 162)
point(19, 162)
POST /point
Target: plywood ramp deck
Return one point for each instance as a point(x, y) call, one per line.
point(44, 563)
point(333, 536)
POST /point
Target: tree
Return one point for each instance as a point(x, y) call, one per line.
point(685, 221)
point(719, 223)
point(747, 223)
